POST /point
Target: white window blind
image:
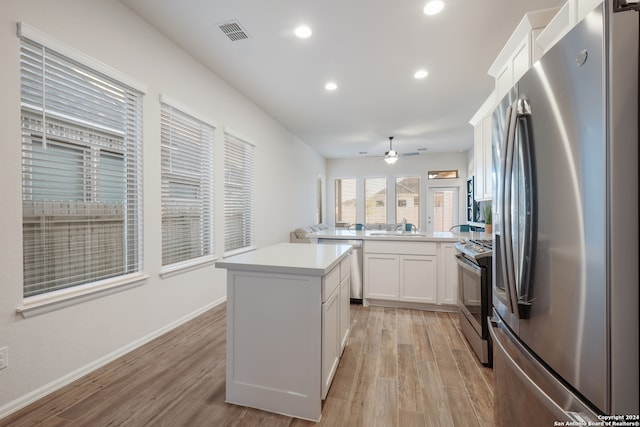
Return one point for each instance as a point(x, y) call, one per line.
point(238, 193)
point(187, 162)
point(81, 164)
point(375, 190)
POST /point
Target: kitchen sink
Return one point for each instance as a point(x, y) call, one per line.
point(397, 234)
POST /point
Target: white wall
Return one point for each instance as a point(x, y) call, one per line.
point(372, 167)
point(48, 350)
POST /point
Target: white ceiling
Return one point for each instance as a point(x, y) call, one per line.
point(370, 48)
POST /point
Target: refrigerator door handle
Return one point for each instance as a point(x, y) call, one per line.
point(523, 113)
point(502, 211)
point(506, 226)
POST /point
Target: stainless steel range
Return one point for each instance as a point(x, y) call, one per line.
point(474, 294)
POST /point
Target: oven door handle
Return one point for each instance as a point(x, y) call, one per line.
point(468, 265)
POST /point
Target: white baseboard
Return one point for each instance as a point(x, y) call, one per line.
point(47, 389)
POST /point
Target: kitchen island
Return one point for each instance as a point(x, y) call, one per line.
point(287, 324)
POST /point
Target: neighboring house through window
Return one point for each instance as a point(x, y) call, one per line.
point(375, 190)
point(408, 200)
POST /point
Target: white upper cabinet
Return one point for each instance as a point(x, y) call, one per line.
point(567, 17)
point(521, 51)
point(482, 163)
point(518, 55)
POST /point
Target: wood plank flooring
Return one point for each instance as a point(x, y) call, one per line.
point(401, 368)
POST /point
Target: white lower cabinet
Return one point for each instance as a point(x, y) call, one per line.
point(382, 276)
point(335, 320)
point(345, 312)
point(330, 339)
point(417, 272)
point(448, 279)
point(418, 278)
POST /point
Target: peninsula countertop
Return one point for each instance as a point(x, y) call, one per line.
point(288, 258)
point(447, 236)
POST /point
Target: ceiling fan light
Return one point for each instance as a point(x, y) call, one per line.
point(303, 32)
point(391, 157)
point(433, 7)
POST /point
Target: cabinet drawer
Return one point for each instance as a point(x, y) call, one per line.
point(330, 283)
point(345, 267)
point(401, 248)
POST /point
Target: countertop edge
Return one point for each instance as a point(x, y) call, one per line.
point(249, 266)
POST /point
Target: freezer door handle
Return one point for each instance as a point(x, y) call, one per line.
point(499, 333)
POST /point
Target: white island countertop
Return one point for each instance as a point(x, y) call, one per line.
point(447, 236)
point(288, 258)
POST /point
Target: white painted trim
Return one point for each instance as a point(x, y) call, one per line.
point(187, 110)
point(186, 266)
point(239, 136)
point(51, 301)
point(239, 251)
point(28, 32)
point(47, 389)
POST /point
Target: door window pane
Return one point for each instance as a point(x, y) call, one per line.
point(444, 209)
point(375, 190)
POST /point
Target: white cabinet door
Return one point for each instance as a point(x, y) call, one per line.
point(478, 159)
point(418, 278)
point(448, 268)
point(330, 339)
point(382, 276)
point(345, 312)
point(487, 162)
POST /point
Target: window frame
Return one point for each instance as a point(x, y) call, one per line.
point(397, 200)
point(384, 200)
point(194, 145)
point(239, 163)
point(338, 206)
point(32, 40)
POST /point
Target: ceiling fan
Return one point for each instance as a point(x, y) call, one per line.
point(392, 156)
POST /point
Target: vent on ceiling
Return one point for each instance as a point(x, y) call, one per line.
point(233, 30)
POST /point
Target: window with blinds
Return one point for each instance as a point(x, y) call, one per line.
point(187, 163)
point(81, 164)
point(238, 193)
point(375, 191)
point(345, 193)
point(408, 200)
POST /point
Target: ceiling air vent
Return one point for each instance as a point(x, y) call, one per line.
point(233, 30)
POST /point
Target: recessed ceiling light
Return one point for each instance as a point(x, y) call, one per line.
point(303, 32)
point(421, 74)
point(331, 86)
point(433, 7)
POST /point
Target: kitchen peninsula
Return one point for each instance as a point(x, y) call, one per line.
point(287, 324)
point(406, 269)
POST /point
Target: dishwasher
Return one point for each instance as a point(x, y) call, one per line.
point(356, 265)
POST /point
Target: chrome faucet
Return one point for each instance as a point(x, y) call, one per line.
point(404, 225)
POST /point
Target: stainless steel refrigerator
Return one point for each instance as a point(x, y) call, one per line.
point(565, 279)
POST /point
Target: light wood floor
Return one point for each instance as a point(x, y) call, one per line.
point(401, 368)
